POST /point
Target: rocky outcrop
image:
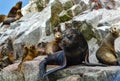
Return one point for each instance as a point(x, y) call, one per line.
point(30, 72)
point(35, 27)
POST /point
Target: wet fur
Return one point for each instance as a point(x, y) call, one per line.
point(75, 50)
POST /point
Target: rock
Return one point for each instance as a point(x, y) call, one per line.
point(85, 73)
point(56, 8)
point(35, 27)
point(65, 16)
point(31, 7)
point(93, 46)
point(71, 78)
point(76, 9)
point(67, 4)
point(30, 72)
point(41, 4)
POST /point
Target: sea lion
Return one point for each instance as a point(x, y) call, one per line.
point(6, 53)
point(7, 21)
point(55, 44)
point(18, 15)
point(52, 46)
point(74, 51)
point(106, 52)
point(13, 15)
point(14, 9)
point(2, 17)
point(29, 53)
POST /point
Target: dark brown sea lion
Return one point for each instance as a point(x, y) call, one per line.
point(14, 9)
point(75, 50)
point(106, 52)
point(13, 15)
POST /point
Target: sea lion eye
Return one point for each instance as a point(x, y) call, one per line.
point(70, 36)
point(73, 35)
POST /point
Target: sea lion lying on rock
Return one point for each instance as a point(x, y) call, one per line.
point(75, 51)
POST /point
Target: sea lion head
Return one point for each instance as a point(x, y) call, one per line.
point(57, 33)
point(19, 5)
point(114, 31)
point(70, 38)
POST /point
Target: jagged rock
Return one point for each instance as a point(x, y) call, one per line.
point(41, 4)
point(30, 72)
point(31, 7)
point(84, 4)
point(65, 16)
point(87, 73)
point(56, 8)
point(76, 9)
point(32, 28)
point(66, 4)
point(71, 78)
point(93, 46)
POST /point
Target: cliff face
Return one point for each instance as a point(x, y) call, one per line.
point(35, 27)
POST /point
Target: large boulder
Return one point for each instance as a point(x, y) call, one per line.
point(30, 72)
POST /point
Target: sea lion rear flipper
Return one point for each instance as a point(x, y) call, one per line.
point(42, 68)
point(62, 61)
point(58, 59)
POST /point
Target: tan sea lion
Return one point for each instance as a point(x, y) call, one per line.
point(29, 54)
point(52, 46)
point(106, 52)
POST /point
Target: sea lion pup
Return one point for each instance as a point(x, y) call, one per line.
point(106, 52)
point(14, 9)
point(75, 50)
